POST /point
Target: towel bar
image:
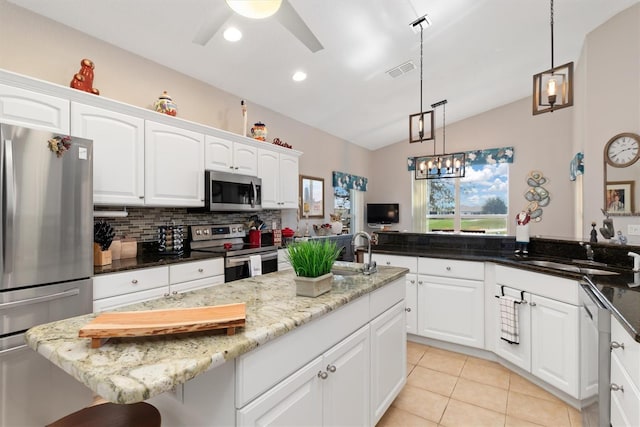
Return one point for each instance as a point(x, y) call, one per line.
point(522, 300)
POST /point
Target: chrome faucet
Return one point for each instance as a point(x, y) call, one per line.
point(636, 261)
point(369, 267)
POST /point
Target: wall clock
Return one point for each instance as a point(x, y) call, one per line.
point(622, 150)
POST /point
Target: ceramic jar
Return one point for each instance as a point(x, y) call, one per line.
point(165, 105)
point(259, 131)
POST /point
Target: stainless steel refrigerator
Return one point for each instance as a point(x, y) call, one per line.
point(46, 264)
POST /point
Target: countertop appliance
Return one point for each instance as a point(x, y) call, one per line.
point(595, 351)
point(225, 191)
point(229, 240)
point(46, 264)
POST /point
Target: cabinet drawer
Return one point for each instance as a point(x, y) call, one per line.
point(625, 405)
point(409, 262)
point(109, 285)
point(546, 285)
point(629, 356)
point(195, 270)
point(451, 268)
point(111, 303)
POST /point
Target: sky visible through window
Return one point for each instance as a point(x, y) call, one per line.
point(481, 184)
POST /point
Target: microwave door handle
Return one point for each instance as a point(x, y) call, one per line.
point(255, 194)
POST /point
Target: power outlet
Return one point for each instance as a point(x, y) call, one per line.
point(633, 229)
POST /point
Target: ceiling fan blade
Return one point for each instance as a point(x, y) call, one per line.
point(290, 19)
point(213, 22)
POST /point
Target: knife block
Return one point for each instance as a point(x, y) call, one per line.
point(101, 257)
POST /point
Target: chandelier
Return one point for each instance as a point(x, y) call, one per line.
point(440, 165)
point(553, 88)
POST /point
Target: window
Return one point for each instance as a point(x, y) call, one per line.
point(476, 203)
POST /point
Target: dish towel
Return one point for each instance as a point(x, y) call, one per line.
point(509, 325)
point(255, 265)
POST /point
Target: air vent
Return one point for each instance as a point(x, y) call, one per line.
point(401, 69)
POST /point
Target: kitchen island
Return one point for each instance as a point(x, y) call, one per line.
point(295, 330)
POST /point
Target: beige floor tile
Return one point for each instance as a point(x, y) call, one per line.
point(482, 395)
point(463, 414)
point(489, 375)
point(449, 363)
point(447, 353)
point(422, 403)
point(517, 422)
point(524, 386)
point(395, 417)
point(435, 381)
point(415, 352)
point(537, 410)
point(575, 417)
point(483, 362)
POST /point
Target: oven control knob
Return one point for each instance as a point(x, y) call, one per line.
point(198, 232)
point(233, 229)
point(240, 229)
point(205, 232)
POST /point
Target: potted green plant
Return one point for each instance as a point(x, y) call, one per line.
point(312, 261)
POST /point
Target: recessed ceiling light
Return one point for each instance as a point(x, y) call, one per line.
point(232, 34)
point(299, 76)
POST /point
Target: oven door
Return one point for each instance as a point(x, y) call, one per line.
point(237, 267)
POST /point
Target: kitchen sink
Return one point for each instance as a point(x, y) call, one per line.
point(568, 267)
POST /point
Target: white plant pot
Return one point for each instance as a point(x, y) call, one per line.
point(313, 286)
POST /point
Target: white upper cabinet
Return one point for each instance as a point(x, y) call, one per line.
point(228, 156)
point(118, 152)
point(174, 168)
point(279, 174)
point(31, 109)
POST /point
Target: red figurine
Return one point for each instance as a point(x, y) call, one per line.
point(83, 79)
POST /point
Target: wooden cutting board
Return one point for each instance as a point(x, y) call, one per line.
point(162, 322)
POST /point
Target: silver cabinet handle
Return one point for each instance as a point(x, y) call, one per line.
point(420, 282)
point(448, 268)
point(166, 295)
point(413, 282)
point(200, 270)
point(134, 281)
point(140, 197)
point(532, 304)
point(174, 293)
point(408, 309)
point(322, 375)
point(616, 387)
point(615, 344)
point(388, 262)
point(331, 368)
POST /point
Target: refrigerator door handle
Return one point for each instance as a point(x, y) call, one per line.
point(10, 208)
point(44, 298)
point(12, 349)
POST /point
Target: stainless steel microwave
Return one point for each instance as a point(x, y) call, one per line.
point(232, 192)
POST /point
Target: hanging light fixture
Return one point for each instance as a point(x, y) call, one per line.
point(440, 165)
point(255, 9)
point(421, 124)
point(553, 89)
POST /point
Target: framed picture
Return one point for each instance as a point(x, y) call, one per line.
point(619, 196)
point(311, 197)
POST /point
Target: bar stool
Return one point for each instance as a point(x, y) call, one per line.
point(106, 414)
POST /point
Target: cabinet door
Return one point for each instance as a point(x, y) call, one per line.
point(518, 354)
point(451, 310)
point(35, 110)
point(388, 359)
point(218, 154)
point(245, 159)
point(625, 399)
point(411, 303)
point(269, 172)
point(555, 337)
point(118, 153)
point(288, 182)
point(296, 401)
point(174, 170)
point(345, 393)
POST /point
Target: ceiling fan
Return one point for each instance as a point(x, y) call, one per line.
point(282, 11)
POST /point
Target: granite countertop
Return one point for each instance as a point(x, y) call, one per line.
point(128, 370)
point(148, 258)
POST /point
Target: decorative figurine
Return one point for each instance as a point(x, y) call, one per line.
point(594, 233)
point(522, 233)
point(83, 79)
point(165, 105)
point(243, 106)
point(622, 239)
point(259, 131)
point(607, 229)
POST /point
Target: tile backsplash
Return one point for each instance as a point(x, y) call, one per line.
point(142, 223)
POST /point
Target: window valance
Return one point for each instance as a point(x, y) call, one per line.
point(347, 181)
point(488, 156)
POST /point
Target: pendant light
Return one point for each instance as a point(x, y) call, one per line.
point(553, 89)
point(421, 124)
point(440, 165)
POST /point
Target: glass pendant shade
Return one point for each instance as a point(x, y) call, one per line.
point(255, 9)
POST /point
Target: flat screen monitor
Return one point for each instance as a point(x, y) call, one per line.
point(383, 213)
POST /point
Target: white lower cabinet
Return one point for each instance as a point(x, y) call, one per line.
point(331, 390)
point(411, 303)
point(625, 377)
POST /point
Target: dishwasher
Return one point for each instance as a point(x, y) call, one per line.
point(595, 341)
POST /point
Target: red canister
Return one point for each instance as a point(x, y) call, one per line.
point(255, 238)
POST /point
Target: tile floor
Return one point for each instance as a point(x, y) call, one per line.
point(451, 389)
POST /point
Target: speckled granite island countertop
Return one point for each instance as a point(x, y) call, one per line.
point(128, 370)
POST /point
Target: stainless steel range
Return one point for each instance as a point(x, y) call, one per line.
point(229, 240)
